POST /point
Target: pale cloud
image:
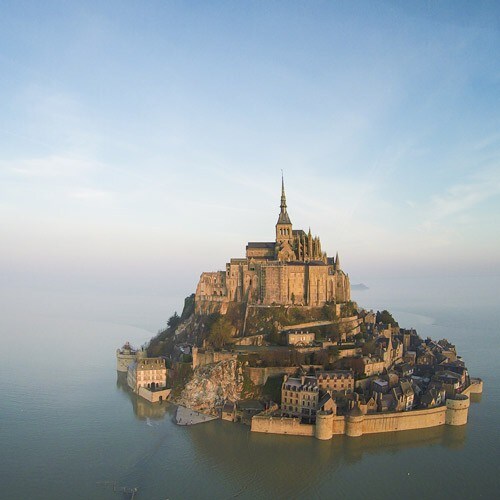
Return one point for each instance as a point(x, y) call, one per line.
point(485, 142)
point(92, 194)
point(460, 198)
point(50, 166)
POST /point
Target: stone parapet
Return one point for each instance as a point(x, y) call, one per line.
point(475, 387)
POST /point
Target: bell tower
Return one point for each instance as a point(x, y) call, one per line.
point(284, 225)
point(284, 235)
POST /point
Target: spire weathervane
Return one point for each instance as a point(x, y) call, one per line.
point(283, 196)
point(283, 218)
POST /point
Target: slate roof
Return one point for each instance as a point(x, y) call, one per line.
point(283, 218)
point(261, 244)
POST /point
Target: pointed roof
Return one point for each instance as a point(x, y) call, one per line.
point(283, 217)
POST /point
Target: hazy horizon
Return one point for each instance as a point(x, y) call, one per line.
point(142, 144)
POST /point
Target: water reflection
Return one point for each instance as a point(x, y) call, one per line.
point(143, 409)
point(287, 463)
point(284, 464)
point(476, 398)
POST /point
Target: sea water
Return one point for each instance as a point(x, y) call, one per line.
point(69, 428)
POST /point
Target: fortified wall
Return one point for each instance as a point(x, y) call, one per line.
point(259, 376)
point(203, 357)
point(355, 424)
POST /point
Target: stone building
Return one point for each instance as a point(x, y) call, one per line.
point(336, 381)
point(300, 338)
point(292, 270)
point(300, 397)
point(366, 366)
point(150, 373)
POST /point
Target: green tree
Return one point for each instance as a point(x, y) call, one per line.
point(329, 312)
point(174, 321)
point(368, 348)
point(386, 318)
point(220, 332)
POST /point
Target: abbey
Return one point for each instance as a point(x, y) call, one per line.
point(292, 270)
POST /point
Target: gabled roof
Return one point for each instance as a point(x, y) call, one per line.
point(324, 399)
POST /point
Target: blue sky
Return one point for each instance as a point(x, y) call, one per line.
point(144, 141)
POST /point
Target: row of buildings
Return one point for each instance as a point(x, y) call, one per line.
point(404, 372)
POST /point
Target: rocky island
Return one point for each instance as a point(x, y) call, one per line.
point(275, 341)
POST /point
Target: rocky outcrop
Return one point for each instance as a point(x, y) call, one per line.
point(211, 386)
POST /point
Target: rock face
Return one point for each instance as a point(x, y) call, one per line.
point(212, 385)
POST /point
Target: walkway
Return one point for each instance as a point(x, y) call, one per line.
point(185, 416)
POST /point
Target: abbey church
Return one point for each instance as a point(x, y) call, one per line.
point(292, 270)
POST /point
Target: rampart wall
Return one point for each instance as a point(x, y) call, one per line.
point(454, 412)
point(123, 361)
point(202, 357)
point(281, 425)
point(259, 376)
point(255, 340)
point(403, 421)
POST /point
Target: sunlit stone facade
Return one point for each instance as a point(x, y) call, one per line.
point(292, 270)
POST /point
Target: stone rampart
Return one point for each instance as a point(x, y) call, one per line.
point(259, 376)
point(324, 426)
point(123, 361)
point(457, 410)
point(475, 387)
point(281, 425)
point(254, 340)
point(354, 425)
point(403, 421)
point(203, 357)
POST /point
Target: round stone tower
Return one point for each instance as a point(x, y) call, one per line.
point(354, 424)
point(124, 357)
point(457, 409)
point(324, 425)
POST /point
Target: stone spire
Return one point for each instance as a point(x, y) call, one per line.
point(337, 261)
point(283, 217)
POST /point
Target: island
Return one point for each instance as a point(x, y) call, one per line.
point(274, 341)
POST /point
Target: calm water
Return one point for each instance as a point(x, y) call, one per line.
point(68, 426)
